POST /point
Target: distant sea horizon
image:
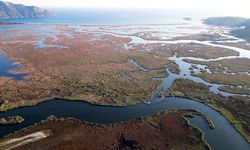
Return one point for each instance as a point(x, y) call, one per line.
point(94, 16)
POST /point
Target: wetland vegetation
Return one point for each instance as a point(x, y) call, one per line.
point(98, 65)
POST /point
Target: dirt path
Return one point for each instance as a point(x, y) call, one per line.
point(13, 143)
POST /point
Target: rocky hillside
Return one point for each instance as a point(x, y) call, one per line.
point(235, 23)
point(10, 10)
point(225, 21)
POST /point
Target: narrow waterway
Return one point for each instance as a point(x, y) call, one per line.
point(185, 66)
point(185, 73)
point(110, 114)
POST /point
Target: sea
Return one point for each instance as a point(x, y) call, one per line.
point(101, 16)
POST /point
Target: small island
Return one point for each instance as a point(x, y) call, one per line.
point(187, 18)
point(11, 120)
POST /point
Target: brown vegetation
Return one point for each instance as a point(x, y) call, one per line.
point(236, 65)
point(186, 50)
point(233, 72)
point(89, 69)
point(164, 131)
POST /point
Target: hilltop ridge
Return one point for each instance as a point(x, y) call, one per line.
point(10, 10)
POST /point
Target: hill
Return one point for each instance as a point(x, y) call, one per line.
point(234, 22)
point(225, 21)
point(10, 10)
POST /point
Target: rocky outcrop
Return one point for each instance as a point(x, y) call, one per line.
point(10, 10)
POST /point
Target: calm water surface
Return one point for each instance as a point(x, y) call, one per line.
point(119, 16)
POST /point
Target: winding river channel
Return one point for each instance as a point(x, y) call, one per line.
point(222, 137)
